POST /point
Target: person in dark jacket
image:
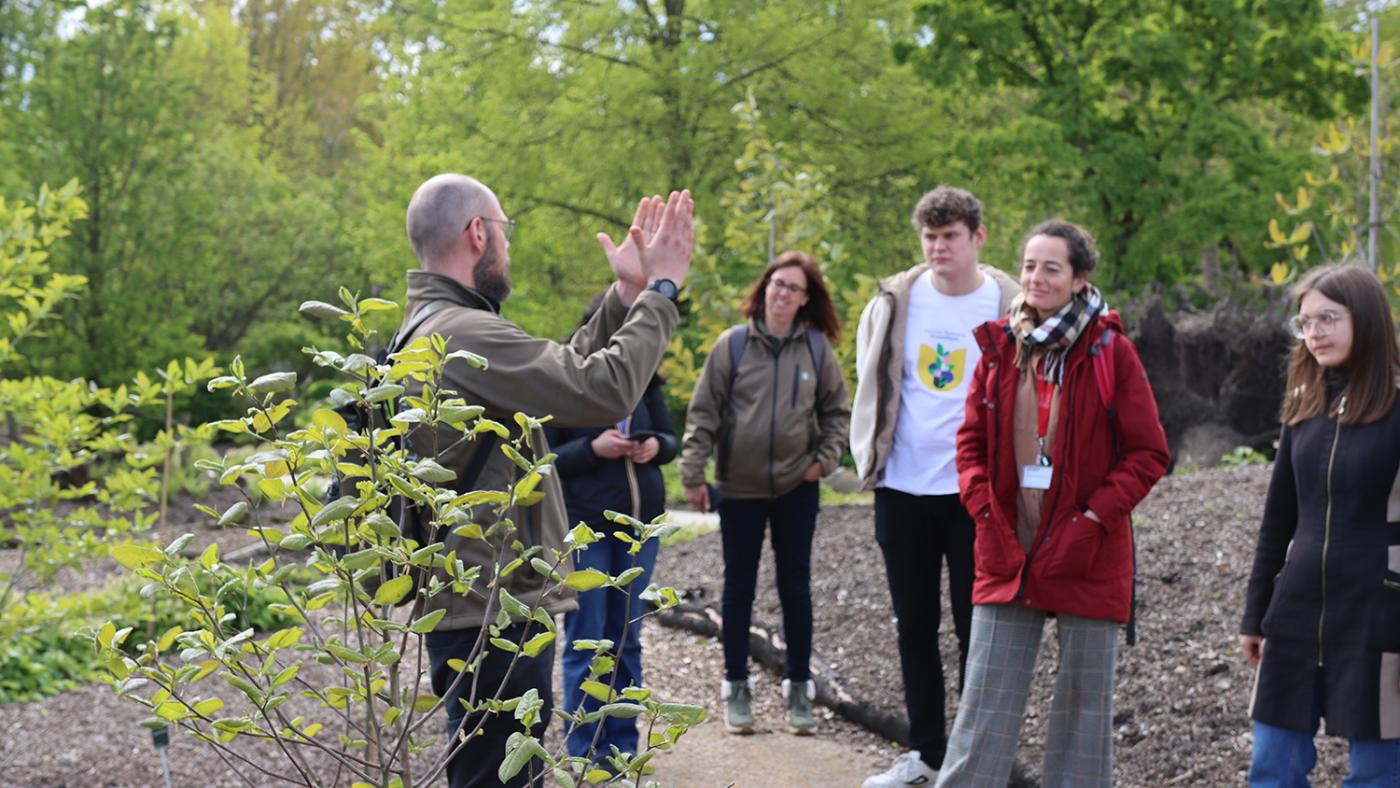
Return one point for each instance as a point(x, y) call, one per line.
point(1061, 440)
point(618, 468)
point(773, 410)
point(1322, 610)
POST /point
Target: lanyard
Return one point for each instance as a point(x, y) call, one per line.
point(1044, 397)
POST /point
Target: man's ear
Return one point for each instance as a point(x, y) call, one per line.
point(980, 237)
point(475, 232)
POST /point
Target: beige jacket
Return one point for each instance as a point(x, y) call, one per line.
point(880, 366)
point(595, 379)
point(781, 415)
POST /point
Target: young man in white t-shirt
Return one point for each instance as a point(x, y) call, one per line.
point(914, 359)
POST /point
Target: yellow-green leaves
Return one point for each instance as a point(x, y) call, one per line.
point(273, 382)
point(320, 309)
point(393, 592)
point(338, 509)
point(586, 579)
point(133, 556)
point(426, 623)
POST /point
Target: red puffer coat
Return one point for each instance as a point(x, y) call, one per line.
point(1075, 565)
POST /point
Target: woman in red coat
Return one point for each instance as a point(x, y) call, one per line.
point(1060, 442)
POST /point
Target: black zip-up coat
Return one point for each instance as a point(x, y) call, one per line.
point(593, 485)
point(1325, 589)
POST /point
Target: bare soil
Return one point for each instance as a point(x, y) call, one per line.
point(1183, 693)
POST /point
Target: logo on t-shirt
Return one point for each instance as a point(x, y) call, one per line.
point(941, 369)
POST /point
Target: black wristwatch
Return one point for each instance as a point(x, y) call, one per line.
point(665, 287)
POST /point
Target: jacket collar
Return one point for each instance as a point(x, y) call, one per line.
point(774, 342)
point(425, 286)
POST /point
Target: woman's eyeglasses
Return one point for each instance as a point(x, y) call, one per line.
point(777, 284)
point(1300, 325)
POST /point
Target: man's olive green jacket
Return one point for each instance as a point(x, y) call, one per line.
point(597, 378)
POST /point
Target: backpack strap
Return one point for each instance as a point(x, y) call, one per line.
point(817, 348)
point(1104, 373)
point(407, 330)
point(738, 340)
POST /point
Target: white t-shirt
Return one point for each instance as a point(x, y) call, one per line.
point(939, 357)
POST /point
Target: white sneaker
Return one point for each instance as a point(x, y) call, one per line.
point(907, 769)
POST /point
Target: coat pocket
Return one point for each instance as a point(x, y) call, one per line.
point(1076, 547)
point(991, 549)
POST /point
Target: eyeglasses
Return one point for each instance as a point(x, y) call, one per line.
point(509, 225)
point(777, 284)
point(1300, 325)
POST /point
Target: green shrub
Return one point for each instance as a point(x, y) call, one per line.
point(46, 640)
point(1241, 456)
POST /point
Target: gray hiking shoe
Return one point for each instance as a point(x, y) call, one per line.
point(738, 706)
point(799, 696)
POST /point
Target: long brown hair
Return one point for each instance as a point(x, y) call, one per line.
point(817, 312)
point(1372, 367)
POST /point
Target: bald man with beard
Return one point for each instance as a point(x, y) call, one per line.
point(461, 236)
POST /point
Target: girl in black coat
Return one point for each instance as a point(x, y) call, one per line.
point(1322, 612)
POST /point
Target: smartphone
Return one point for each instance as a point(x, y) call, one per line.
point(637, 436)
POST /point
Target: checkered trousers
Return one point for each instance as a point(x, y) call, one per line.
point(1000, 664)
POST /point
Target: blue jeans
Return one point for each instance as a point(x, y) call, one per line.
point(603, 613)
point(1283, 757)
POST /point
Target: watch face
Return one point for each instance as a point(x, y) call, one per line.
point(665, 287)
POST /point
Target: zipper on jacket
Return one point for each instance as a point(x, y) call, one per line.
point(773, 422)
point(796, 375)
point(632, 487)
point(1327, 525)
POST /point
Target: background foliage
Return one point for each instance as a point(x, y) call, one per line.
point(236, 155)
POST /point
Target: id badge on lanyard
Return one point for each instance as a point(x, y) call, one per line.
point(1038, 476)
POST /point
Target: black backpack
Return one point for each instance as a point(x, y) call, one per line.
point(358, 417)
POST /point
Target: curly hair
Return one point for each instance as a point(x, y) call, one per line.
point(945, 205)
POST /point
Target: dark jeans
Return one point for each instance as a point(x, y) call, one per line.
point(476, 763)
point(602, 614)
point(917, 533)
point(793, 517)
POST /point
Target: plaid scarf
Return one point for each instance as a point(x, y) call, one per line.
point(1056, 334)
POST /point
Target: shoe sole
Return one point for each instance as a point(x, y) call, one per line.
point(797, 731)
point(738, 730)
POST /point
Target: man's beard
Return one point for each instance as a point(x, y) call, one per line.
point(490, 274)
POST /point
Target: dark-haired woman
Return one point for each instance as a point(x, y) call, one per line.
point(1060, 442)
point(771, 406)
point(1322, 613)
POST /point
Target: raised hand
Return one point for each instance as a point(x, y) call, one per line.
point(666, 255)
point(625, 259)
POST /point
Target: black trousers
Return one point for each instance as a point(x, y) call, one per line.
point(742, 522)
point(475, 765)
point(917, 533)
